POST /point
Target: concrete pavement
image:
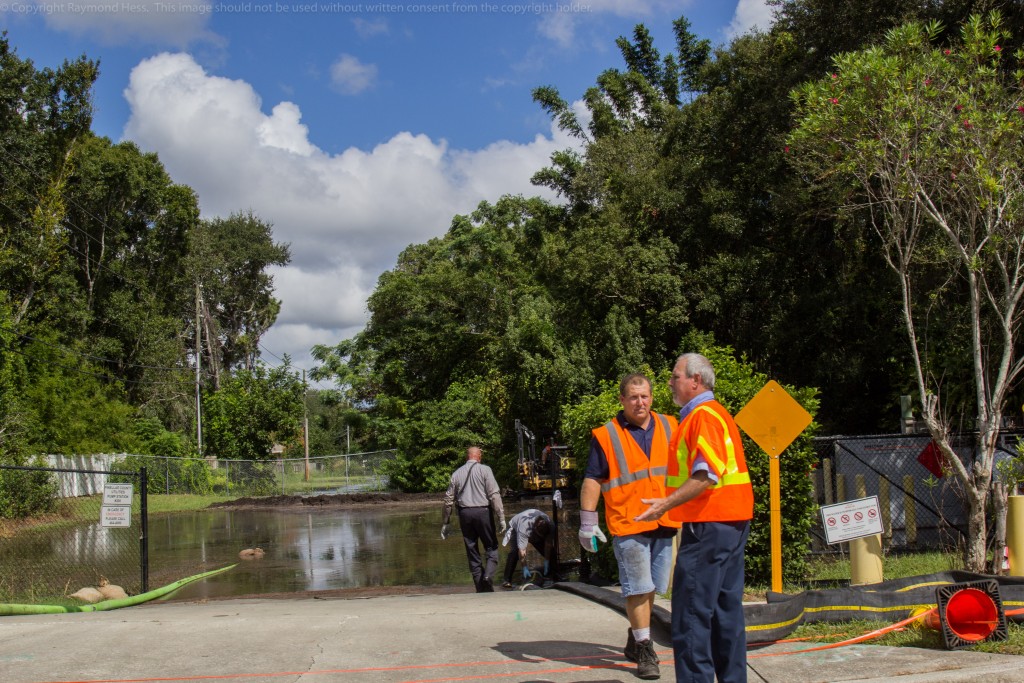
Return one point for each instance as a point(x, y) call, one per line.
point(526, 636)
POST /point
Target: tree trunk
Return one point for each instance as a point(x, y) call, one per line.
point(977, 542)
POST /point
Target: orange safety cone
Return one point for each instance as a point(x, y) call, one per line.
point(968, 613)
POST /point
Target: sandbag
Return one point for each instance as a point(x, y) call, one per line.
point(112, 592)
point(88, 594)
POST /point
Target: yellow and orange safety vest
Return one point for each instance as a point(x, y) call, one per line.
point(709, 430)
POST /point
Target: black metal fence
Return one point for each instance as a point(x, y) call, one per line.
point(85, 541)
point(922, 507)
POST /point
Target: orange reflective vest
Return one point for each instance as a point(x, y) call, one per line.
point(632, 475)
point(710, 431)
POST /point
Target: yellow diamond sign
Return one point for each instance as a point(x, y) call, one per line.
point(773, 419)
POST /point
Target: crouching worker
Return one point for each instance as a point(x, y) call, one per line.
point(529, 527)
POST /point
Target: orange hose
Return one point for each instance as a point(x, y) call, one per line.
point(859, 639)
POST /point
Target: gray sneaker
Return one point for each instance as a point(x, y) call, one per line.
point(630, 649)
point(647, 666)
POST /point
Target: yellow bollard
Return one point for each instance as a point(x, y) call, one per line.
point(1015, 534)
point(866, 560)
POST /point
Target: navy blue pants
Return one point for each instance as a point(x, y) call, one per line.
point(477, 526)
point(708, 632)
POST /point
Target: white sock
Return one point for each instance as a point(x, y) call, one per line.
point(641, 634)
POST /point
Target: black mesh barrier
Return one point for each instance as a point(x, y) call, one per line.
point(922, 503)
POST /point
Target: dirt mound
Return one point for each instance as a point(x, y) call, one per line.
point(332, 500)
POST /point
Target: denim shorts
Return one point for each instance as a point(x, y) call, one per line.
point(645, 563)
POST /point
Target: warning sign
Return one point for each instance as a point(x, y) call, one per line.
point(851, 519)
point(773, 419)
point(116, 516)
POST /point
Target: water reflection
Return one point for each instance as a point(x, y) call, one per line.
point(320, 550)
point(305, 550)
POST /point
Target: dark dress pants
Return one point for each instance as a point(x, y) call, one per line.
point(708, 632)
point(478, 528)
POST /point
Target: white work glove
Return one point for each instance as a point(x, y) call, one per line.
point(444, 531)
point(590, 532)
point(502, 526)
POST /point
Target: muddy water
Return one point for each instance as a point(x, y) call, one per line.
point(325, 549)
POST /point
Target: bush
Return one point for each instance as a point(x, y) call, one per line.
point(736, 383)
point(24, 493)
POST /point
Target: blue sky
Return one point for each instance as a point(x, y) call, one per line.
point(356, 128)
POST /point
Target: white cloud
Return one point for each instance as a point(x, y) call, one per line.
point(174, 23)
point(283, 130)
point(623, 8)
point(559, 27)
point(369, 29)
point(345, 216)
point(749, 14)
point(350, 76)
point(558, 21)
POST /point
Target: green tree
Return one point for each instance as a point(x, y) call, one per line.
point(253, 410)
point(128, 226)
point(467, 314)
point(229, 258)
point(43, 113)
point(433, 441)
point(932, 138)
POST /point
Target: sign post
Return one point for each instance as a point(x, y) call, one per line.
point(773, 419)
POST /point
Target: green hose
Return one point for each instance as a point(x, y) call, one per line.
point(10, 610)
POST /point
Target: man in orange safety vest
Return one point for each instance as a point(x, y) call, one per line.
point(709, 491)
point(627, 463)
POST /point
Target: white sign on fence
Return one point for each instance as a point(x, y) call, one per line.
point(117, 505)
point(117, 494)
point(851, 519)
point(116, 515)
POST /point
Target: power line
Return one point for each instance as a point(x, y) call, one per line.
point(87, 356)
point(106, 376)
point(317, 382)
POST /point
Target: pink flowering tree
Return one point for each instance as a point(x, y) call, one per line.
point(929, 141)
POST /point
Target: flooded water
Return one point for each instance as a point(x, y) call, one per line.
point(321, 549)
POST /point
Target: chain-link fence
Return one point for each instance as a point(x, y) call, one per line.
point(80, 542)
point(922, 507)
point(349, 473)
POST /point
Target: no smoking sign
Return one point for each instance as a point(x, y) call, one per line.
point(851, 519)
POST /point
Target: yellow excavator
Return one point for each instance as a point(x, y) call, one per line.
point(545, 472)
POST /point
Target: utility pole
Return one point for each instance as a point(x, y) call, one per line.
point(199, 355)
point(305, 424)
